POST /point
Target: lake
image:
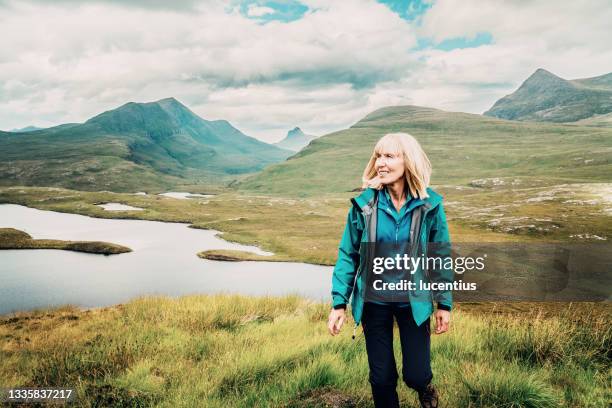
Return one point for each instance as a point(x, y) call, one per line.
point(163, 262)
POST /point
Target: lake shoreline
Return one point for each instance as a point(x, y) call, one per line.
point(163, 261)
point(228, 255)
point(226, 213)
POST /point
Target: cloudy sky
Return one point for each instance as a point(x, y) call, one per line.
point(267, 66)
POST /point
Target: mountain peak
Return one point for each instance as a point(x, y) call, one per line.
point(154, 117)
point(542, 78)
point(170, 101)
point(164, 102)
point(295, 140)
point(543, 72)
point(546, 97)
point(295, 132)
point(177, 110)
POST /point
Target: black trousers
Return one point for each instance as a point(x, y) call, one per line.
point(377, 324)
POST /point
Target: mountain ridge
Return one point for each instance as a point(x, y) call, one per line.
point(162, 139)
point(25, 129)
point(546, 97)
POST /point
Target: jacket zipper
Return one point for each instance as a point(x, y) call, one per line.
point(367, 227)
point(427, 269)
point(417, 242)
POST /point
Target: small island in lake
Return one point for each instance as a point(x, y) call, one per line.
point(11, 238)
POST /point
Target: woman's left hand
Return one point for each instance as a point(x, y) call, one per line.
point(442, 321)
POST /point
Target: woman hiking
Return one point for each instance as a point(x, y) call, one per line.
point(395, 207)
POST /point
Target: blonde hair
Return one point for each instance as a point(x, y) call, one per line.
point(417, 166)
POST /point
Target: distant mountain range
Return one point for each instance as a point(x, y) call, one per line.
point(25, 129)
point(133, 147)
point(545, 97)
point(295, 140)
point(162, 144)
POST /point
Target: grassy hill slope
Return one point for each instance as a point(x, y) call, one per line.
point(232, 351)
point(462, 148)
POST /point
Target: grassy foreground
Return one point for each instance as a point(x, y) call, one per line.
point(220, 351)
point(11, 238)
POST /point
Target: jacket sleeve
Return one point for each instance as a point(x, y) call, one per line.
point(347, 263)
point(440, 246)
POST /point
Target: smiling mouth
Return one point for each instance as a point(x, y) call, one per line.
point(382, 173)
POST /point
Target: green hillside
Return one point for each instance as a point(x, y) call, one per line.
point(137, 146)
point(463, 148)
point(546, 97)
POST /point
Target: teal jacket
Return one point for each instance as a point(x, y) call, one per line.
point(392, 228)
point(427, 225)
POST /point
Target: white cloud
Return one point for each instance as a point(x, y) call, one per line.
point(68, 66)
point(582, 23)
point(259, 11)
point(570, 41)
point(343, 59)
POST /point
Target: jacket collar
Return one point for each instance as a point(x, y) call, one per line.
point(368, 197)
point(385, 196)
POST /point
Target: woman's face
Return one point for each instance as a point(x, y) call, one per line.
point(389, 167)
